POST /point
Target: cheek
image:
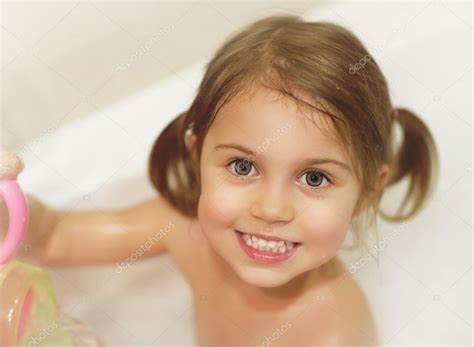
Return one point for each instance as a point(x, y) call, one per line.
point(218, 206)
point(325, 228)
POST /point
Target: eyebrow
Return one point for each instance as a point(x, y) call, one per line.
point(308, 161)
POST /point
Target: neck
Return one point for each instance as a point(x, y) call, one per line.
point(290, 290)
point(287, 292)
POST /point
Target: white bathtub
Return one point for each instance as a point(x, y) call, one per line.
point(420, 294)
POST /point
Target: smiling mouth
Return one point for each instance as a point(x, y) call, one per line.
point(266, 250)
point(263, 242)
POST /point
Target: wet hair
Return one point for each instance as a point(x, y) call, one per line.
point(330, 66)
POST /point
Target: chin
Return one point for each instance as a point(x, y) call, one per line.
point(264, 278)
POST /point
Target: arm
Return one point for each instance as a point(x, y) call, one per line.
point(93, 237)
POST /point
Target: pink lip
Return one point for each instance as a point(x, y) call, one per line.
point(266, 257)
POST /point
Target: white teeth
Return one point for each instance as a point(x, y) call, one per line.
point(268, 246)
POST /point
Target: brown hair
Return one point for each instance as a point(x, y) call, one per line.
point(329, 64)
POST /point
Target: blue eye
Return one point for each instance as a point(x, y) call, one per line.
point(314, 179)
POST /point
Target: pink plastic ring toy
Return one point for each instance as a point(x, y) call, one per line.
point(18, 218)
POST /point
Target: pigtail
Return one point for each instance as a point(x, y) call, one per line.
point(417, 159)
point(171, 169)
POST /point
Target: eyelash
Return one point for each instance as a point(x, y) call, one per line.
point(306, 172)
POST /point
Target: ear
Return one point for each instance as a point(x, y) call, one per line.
point(384, 175)
point(189, 140)
point(382, 179)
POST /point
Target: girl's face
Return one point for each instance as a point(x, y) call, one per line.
point(260, 175)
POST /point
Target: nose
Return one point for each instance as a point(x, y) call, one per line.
point(272, 208)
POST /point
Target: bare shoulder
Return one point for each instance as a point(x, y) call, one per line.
point(352, 321)
point(338, 314)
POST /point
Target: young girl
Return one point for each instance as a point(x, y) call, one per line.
point(287, 145)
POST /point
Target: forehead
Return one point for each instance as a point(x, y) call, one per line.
point(262, 116)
